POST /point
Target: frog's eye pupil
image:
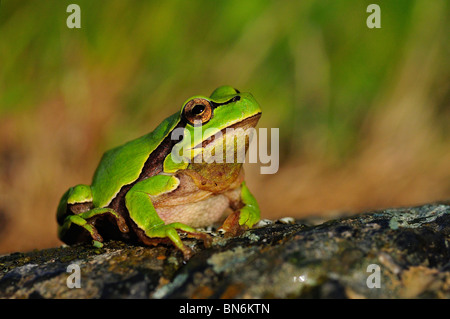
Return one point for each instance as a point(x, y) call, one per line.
point(198, 109)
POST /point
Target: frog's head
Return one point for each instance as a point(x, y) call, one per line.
point(209, 119)
point(226, 107)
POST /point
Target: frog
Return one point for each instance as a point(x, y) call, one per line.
point(143, 191)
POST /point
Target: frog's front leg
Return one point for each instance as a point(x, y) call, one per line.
point(75, 208)
point(245, 217)
point(143, 213)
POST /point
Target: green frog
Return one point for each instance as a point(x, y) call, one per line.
point(142, 191)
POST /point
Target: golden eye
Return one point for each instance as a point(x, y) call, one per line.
point(197, 111)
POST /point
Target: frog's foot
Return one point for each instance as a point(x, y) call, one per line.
point(207, 240)
point(170, 231)
point(243, 218)
point(86, 220)
point(239, 221)
point(231, 225)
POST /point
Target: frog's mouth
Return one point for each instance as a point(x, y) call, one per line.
point(243, 125)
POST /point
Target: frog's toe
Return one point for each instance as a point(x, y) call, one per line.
point(97, 244)
point(170, 232)
point(187, 253)
point(207, 239)
point(193, 233)
point(231, 225)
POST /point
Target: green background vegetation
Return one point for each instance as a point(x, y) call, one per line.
point(363, 113)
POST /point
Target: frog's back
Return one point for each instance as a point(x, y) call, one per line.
point(122, 165)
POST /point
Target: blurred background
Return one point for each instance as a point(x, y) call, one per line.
point(363, 114)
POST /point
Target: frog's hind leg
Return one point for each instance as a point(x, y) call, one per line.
point(86, 221)
point(65, 228)
point(75, 208)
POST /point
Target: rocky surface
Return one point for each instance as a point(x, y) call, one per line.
point(403, 251)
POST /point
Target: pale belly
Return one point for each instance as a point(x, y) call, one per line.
point(196, 207)
point(198, 214)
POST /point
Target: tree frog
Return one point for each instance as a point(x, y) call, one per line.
point(139, 192)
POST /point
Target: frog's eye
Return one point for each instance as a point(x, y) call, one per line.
point(197, 111)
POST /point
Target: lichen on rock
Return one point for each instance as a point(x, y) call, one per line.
point(390, 253)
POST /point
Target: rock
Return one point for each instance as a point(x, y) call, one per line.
point(391, 253)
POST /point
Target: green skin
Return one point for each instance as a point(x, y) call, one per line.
point(123, 165)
